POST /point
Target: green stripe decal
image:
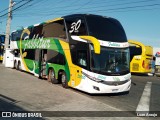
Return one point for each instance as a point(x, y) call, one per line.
point(62, 52)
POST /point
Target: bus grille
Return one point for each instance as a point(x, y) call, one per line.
point(115, 83)
point(135, 67)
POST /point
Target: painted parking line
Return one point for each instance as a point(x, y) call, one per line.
point(144, 102)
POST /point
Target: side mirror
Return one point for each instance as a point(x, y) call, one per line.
point(24, 54)
point(95, 42)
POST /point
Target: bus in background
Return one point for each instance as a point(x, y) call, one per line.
point(2, 39)
point(157, 63)
point(140, 57)
point(83, 51)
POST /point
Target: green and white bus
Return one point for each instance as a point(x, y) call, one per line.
point(83, 51)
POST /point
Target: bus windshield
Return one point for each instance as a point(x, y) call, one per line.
point(107, 29)
point(110, 61)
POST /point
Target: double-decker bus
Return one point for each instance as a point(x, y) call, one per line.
point(140, 57)
point(83, 51)
point(2, 39)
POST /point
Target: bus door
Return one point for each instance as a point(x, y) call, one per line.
point(42, 63)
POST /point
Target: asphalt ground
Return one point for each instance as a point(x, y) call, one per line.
point(21, 91)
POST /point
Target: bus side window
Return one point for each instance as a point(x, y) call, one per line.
point(134, 51)
point(55, 57)
point(29, 54)
point(36, 32)
point(54, 29)
point(82, 56)
point(17, 53)
point(18, 35)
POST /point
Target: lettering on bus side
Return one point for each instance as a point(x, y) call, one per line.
point(111, 44)
point(37, 43)
point(81, 76)
point(101, 77)
point(116, 78)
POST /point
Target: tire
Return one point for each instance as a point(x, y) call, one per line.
point(15, 65)
point(126, 93)
point(19, 66)
point(51, 77)
point(64, 80)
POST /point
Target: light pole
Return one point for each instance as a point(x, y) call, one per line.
point(11, 4)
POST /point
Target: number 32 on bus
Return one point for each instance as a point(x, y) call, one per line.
point(83, 51)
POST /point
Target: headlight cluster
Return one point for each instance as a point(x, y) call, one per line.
point(93, 78)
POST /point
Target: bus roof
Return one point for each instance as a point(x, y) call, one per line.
point(48, 21)
point(52, 20)
point(84, 15)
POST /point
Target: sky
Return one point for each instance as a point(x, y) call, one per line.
point(139, 18)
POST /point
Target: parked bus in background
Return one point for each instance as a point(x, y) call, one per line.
point(157, 63)
point(82, 51)
point(140, 57)
point(2, 39)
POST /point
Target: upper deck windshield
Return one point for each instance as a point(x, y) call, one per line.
point(107, 29)
point(111, 61)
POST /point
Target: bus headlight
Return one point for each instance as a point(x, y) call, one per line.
point(93, 78)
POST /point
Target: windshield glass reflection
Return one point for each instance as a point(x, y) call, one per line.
point(110, 60)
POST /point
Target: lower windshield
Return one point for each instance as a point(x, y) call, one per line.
point(110, 61)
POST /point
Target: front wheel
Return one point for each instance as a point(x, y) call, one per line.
point(64, 80)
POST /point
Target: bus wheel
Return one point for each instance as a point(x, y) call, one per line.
point(15, 65)
point(19, 66)
point(64, 80)
point(51, 77)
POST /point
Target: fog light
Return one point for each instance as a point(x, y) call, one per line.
point(96, 88)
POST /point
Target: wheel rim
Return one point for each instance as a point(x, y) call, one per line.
point(51, 75)
point(20, 66)
point(63, 79)
point(15, 65)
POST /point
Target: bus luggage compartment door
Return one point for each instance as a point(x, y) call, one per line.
point(9, 58)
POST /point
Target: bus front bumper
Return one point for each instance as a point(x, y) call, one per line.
point(100, 88)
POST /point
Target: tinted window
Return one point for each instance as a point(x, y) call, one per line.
point(54, 29)
point(36, 32)
point(76, 26)
point(134, 51)
point(107, 29)
point(55, 57)
point(111, 61)
point(16, 35)
point(80, 55)
point(82, 58)
point(30, 54)
point(17, 53)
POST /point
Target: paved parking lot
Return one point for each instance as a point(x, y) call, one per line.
point(20, 91)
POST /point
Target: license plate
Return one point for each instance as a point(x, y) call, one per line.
point(114, 90)
point(158, 67)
